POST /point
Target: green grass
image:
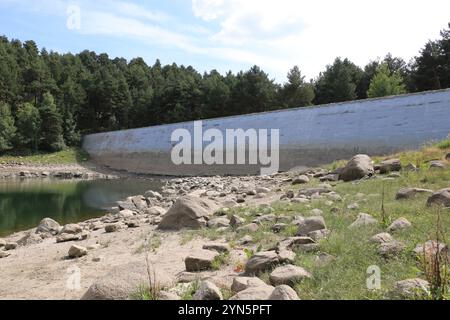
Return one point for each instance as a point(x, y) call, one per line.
point(345, 277)
point(143, 293)
point(445, 144)
point(67, 156)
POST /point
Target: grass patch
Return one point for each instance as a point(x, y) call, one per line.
point(66, 156)
point(220, 260)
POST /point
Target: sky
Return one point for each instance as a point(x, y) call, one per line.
point(230, 34)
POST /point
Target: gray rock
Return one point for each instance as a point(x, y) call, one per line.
point(218, 223)
point(409, 193)
point(2, 243)
point(10, 245)
point(438, 164)
point(188, 212)
point(48, 225)
point(29, 239)
point(364, 220)
point(265, 218)
point(4, 254)
point(279, 227)
point(201, 260)
point(246, 240)
point(319, 234)
point(390, 249)
point(242, 283)
point(330, 177)
point(390, 165)
point(261, 261)
point(109, 228)
point(155, 211)
point(283, 292)
point(441, 197)
point(71, 229)
point(430, 249)
point(126, 214)
point(262, 190)
point(357, 168)
point(288, 274)
point(311, 191)
point(168, 296)
point(207, 291)
point(381, 238)
point(399, 224)
point(286, 255)
point(77, 251)
point(66, 237)
point(254, 293)
point(311, 224)
point(219, 247)
point(300, 180)
point(411, 288)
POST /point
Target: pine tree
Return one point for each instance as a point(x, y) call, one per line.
point(385, 83)
point(296, 93)
point(7, 128)
point(51, 127)
point(339, 82)
point(28, 126)
point(72, 136)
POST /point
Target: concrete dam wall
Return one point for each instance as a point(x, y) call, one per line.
point(308, 136)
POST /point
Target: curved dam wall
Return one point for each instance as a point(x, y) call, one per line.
point(308, 136)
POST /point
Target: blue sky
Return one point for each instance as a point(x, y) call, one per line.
point(230, 34)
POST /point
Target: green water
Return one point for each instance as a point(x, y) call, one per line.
point(24, 203)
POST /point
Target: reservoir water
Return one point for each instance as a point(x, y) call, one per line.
point(24, 203)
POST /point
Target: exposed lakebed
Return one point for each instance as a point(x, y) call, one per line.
point(23, 203)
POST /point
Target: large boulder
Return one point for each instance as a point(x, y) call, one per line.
point(284, 292)
point(123, 281)
point(254, 293)
point(261, 261)
point(410, 193)
point(357, 168)
point(390, 165)
point(412, 288)
point(288, 274)
point(441, 197)
point(71, 228)
point(188, 212)
point(311, 224)
point(399, 224)
point(49, 226)
point(243, 283)
point(201, 260)
point(207, 291)
point(76, 251)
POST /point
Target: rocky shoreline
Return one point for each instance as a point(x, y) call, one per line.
point(153, 225)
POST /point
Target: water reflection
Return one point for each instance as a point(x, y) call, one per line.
point(24, 203)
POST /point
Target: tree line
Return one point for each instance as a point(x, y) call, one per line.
point(49, 100)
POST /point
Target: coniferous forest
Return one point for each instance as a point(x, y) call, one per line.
point(49, 100)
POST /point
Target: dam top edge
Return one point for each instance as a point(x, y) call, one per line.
point(329, 105)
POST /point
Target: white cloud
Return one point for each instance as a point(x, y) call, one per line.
point(312, 33)
point(273, 34)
